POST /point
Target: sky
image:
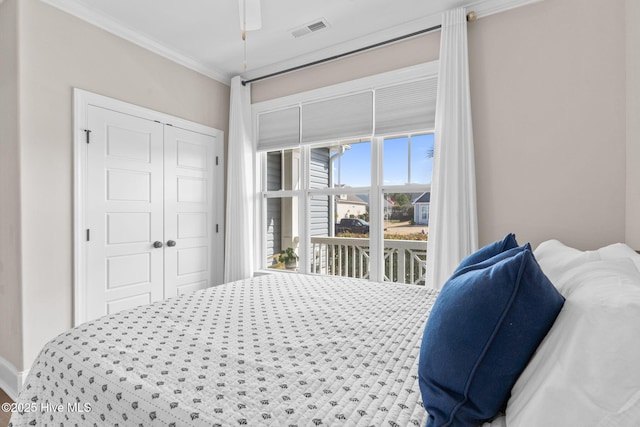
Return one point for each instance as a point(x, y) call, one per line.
point(356, 163)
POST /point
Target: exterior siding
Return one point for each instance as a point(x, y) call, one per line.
point(318, 206)
point(319, 178)
point(274, 206)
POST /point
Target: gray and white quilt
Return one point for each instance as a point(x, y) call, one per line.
point(277, 350)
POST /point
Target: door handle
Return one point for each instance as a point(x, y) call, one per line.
point(171, 243)
point(157, 244)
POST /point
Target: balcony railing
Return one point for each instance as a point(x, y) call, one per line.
point(404, 260)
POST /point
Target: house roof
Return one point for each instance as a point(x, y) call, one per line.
point(352, 199)
point(424, 198)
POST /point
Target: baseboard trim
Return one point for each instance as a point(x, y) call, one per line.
point(11, 379)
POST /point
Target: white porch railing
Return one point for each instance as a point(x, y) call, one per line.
point(404, 260)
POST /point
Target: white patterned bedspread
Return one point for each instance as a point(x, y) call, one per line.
point(277, 350)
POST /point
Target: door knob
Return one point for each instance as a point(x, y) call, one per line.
point(157, 244)
point(171, 243)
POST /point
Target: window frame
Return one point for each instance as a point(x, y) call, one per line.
point(376, 192)
point(304, 193)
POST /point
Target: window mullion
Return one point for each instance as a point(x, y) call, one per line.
point(282, 185)
point(303, 210)
point(262, 209)
point(409, 159)
point(376, 232)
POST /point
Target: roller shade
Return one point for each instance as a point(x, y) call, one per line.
point(279, 129)
point(406, 107)
point(343, 117)
point(402, 108)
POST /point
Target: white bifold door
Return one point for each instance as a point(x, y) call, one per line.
point(151, 200)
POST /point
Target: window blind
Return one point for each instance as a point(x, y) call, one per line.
point(406, 107)
point(343, 117)
point(396, 109)
point(279, 129)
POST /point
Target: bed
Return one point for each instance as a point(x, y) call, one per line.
point(305, 350)
point(280, 349)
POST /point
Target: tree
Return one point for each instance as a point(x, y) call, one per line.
point(400, 199)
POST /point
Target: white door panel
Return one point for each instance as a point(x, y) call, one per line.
point(128, 185)
point(140, 182)
point(124, 211)
point(128, 227)
point(192, 225)
point(189, 221)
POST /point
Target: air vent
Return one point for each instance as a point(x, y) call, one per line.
point(317, 26)
point(312, 27)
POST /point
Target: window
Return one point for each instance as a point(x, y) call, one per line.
point(407, 168)
point(281, 211)
point(333, 205)
point(346, 176)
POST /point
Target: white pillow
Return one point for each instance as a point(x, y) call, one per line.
point(586, 371)
point(555, 258)
point(620, 250)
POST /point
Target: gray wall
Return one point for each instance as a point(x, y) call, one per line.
point(633, 122)
point(10, 249)
point(548, 95)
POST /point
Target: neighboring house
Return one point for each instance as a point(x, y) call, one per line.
point(421, 209)
point(348, 205)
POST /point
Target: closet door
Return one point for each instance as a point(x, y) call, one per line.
point(124, 209)
point(189, 191)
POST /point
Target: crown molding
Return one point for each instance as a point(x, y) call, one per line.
point(482, 8)
point(490, 7)
point(113, 27)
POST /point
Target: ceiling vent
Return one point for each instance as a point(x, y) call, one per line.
point(312, 27)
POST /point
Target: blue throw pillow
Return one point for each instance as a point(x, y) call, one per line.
point(489, 251)
point(482, 330)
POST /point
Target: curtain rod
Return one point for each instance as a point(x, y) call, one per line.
point(471, 16)
point(342, 55)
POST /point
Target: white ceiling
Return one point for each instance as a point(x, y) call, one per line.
point(205, 34)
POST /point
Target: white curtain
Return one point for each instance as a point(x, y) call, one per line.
point(239, 230)
point(453, 224)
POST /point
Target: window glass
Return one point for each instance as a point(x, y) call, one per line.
point(274, 171)
point(320, 164)
point(408, 160)
point(405, 237)
point(283, 170)
point(351, 164)
point(334, 188)
point(339, 235)
point(421, 161)
point(282, 232)
point(395, 159)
